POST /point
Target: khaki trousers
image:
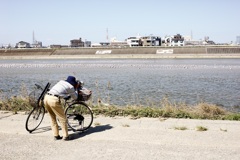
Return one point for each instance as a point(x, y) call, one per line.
point(56, 111)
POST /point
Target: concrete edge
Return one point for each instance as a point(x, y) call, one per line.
point(125, 56)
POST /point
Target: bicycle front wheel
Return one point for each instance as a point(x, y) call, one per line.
point(79, 116)
point(34, 119)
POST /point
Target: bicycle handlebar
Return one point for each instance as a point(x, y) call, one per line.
point(38, 86)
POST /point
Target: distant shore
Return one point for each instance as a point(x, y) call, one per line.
point(122, 53)
point(124, 56)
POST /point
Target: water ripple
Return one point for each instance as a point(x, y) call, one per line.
point(138, 66)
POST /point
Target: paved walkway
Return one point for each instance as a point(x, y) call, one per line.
point(122, 138)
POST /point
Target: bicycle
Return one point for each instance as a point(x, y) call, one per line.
point(79, 114)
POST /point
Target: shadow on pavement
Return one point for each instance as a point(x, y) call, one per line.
point(76, 135)
point(42, 129)
point(91, 130)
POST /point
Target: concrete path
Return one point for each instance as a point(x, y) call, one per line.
point(122, 138)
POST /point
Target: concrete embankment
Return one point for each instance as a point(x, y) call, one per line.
point(134, 52)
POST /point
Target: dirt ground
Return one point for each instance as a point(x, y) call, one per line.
point(122, 138)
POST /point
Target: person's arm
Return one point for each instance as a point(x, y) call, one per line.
point(73, 93)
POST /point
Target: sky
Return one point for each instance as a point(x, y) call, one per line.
point(59, 21)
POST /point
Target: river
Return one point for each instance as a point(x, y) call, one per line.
point(133, 81)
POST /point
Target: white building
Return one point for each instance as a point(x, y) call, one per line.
point(176, 40)
point(133, 41)
point(6, 46)
point(37, 44)
point(23, 44)
point(96, 45)
point(150, 41)
point(116, 43)
point(187, 38)
point(87, 44)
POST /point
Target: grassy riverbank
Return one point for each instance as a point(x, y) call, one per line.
point(165, 110)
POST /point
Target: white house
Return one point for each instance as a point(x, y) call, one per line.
point(150, 41)
point(23, 44)
point(133, 41)
point(176, 40)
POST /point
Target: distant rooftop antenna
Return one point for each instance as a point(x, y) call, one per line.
point(107, 35)
point(191, 35)
point(33, 38)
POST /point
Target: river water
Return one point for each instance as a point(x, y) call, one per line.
point(133, 81)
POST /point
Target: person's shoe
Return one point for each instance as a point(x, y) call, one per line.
point(67, 138)
point(57, 137)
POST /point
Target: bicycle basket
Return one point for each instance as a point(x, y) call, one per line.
point(34, 96)
point(84, 94)
point(38, 94)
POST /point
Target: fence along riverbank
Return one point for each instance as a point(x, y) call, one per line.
point(133, 52)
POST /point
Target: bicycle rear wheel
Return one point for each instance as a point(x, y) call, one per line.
point(79, 116)
point(34, 119)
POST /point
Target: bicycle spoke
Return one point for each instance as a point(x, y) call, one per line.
point(79, 117)
point(35, 118)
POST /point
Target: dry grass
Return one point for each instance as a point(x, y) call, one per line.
point(165, 109)
point(15, 104)
point(206, 111)
point(168, 109)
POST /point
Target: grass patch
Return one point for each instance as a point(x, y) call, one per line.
point(126, 125)
point(97, 124)
point(224, 130)
point(182, 128)
point(201, 128)
point(162, 119)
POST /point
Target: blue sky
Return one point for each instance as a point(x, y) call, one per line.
point(59, 21)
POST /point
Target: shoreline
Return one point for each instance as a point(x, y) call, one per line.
point(161, 52)
point(126, 56)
